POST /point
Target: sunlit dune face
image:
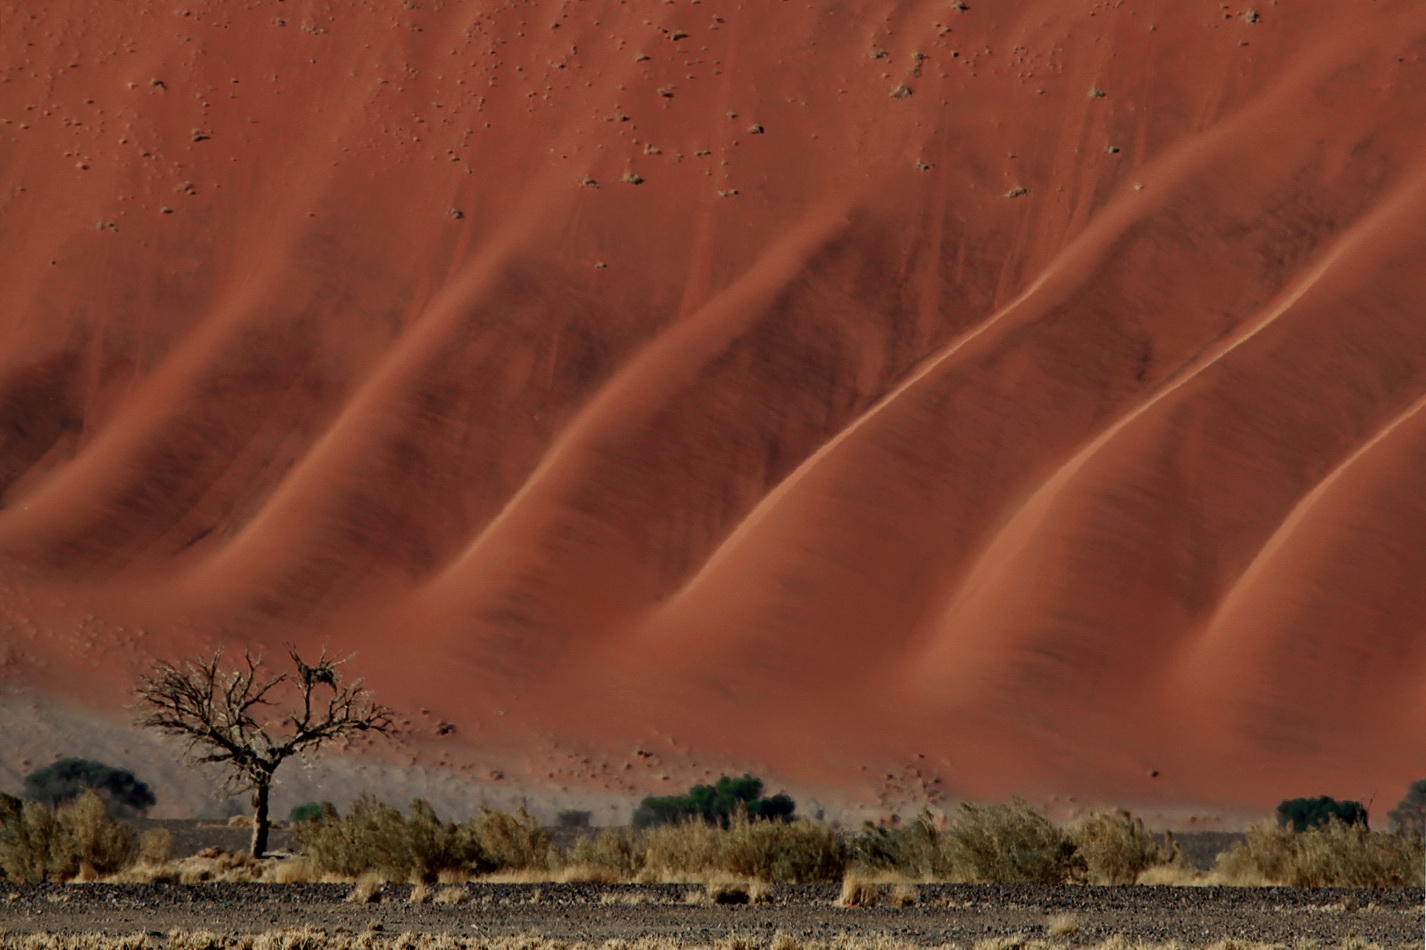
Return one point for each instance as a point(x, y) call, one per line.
point(1033, 388)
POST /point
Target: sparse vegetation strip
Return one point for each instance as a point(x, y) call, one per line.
point(1012, 843)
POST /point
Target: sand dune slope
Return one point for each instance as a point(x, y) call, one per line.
point(1029, 389)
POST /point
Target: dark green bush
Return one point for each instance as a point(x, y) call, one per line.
point(573, 818)
point(1410, 813)
point(123, 794)
point(1304, 813)
point(307, 811)
point(715, 804)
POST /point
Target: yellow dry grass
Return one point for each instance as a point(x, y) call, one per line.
point(858, 893)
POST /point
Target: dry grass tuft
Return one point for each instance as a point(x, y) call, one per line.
point(1174, 875)
point(904, 895)
point(1017, 941)
point(1117, 849)
point(214, 865)
point(420, 894)
point(291, 871)
point(858, 893)
point(728, 893)
point(916, 849)
point(155, 847)
point(453, 895)
point(77, 840)
point(1062, 925)
point(1011, 844)
point(374, 838)
point(1331, 855)
point(614, 854)
point(366, 891)
point(773, 851)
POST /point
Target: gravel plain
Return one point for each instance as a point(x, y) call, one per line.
point(963, 915)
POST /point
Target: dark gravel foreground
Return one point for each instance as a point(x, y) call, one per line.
point(957, 913)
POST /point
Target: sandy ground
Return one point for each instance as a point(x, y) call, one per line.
point(962, 914)
point(910, 399)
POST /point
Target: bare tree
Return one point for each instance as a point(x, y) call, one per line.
point(249, 721)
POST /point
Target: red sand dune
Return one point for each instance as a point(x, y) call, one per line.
point(1036, 387)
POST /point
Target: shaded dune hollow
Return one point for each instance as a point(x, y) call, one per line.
point(1035, 389)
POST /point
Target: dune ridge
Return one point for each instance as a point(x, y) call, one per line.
point(1029, 392)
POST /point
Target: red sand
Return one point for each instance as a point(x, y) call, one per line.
point(1031, 393)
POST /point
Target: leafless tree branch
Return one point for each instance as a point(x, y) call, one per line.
point(230, 716)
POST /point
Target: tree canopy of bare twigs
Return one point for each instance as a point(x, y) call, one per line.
point(248, 720)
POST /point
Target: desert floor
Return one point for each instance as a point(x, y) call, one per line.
point(963, 915)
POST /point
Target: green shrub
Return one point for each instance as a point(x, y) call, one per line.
point(1335, 854)
point(1011, 844)
point(715, 804)
point(1304, 813)
point(123, 794)
point(307, 811)
point(1116, 848)
point(40, 843)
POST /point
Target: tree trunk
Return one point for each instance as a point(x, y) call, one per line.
point(260, 822)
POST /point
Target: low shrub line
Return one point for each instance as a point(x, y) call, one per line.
point(1007, 843)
